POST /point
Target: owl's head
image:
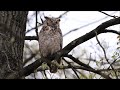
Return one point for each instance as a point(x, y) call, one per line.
point(52, 22)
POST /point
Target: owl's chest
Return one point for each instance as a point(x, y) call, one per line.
point(49, 35)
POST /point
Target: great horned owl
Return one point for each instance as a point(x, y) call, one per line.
point(50, 40)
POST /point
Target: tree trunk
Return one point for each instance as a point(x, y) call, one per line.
point(12, 34)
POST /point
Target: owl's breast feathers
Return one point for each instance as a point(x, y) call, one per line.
point(50, 41)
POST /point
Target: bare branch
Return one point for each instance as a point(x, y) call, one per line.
point(106, 55)
point(40, 24)
point(111, 31)
point(36, 30)
point(72, 68)
point(77, 61)
point(26, 71)
point(31, 38)
point(63, 14)
point(108, 14)
point(28, 59)
point(82, 74)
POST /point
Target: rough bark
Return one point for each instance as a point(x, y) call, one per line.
point(12, 35)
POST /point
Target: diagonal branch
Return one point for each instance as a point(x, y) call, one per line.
point(74, 70)
point(106, 55)
point(108, 14)
point(87, 36)
point(63, 14)
point(87, 67)
point(77, 61)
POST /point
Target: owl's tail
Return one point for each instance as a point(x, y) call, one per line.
point(54, 68)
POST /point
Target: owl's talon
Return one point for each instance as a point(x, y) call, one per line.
point(44, 66)
point(55, 63)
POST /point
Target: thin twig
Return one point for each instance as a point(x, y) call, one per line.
point(63, 14)
point(72, 68)
point(114, 61)
point(89, 59)
point(36, 30)
point(88, 68)
point(105, 55)
point(34, 75)
point(45, 74)
point(64, 70)
point(82, 74)
point(108, 14)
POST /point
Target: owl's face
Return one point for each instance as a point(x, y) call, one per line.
point(52, 22)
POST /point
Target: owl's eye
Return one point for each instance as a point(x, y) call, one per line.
point(58, 20)
point(49, 22)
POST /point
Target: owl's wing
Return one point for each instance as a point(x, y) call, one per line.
point(61, 38)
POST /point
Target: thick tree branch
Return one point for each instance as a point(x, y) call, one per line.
point(28, 59)
point(31, 38)
point(77, 61)
point(26, 71)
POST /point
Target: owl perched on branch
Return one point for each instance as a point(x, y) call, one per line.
point(50, 40)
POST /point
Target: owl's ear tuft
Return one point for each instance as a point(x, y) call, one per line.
point(47, 18)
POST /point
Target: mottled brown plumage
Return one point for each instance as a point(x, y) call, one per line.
point(50, 39)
